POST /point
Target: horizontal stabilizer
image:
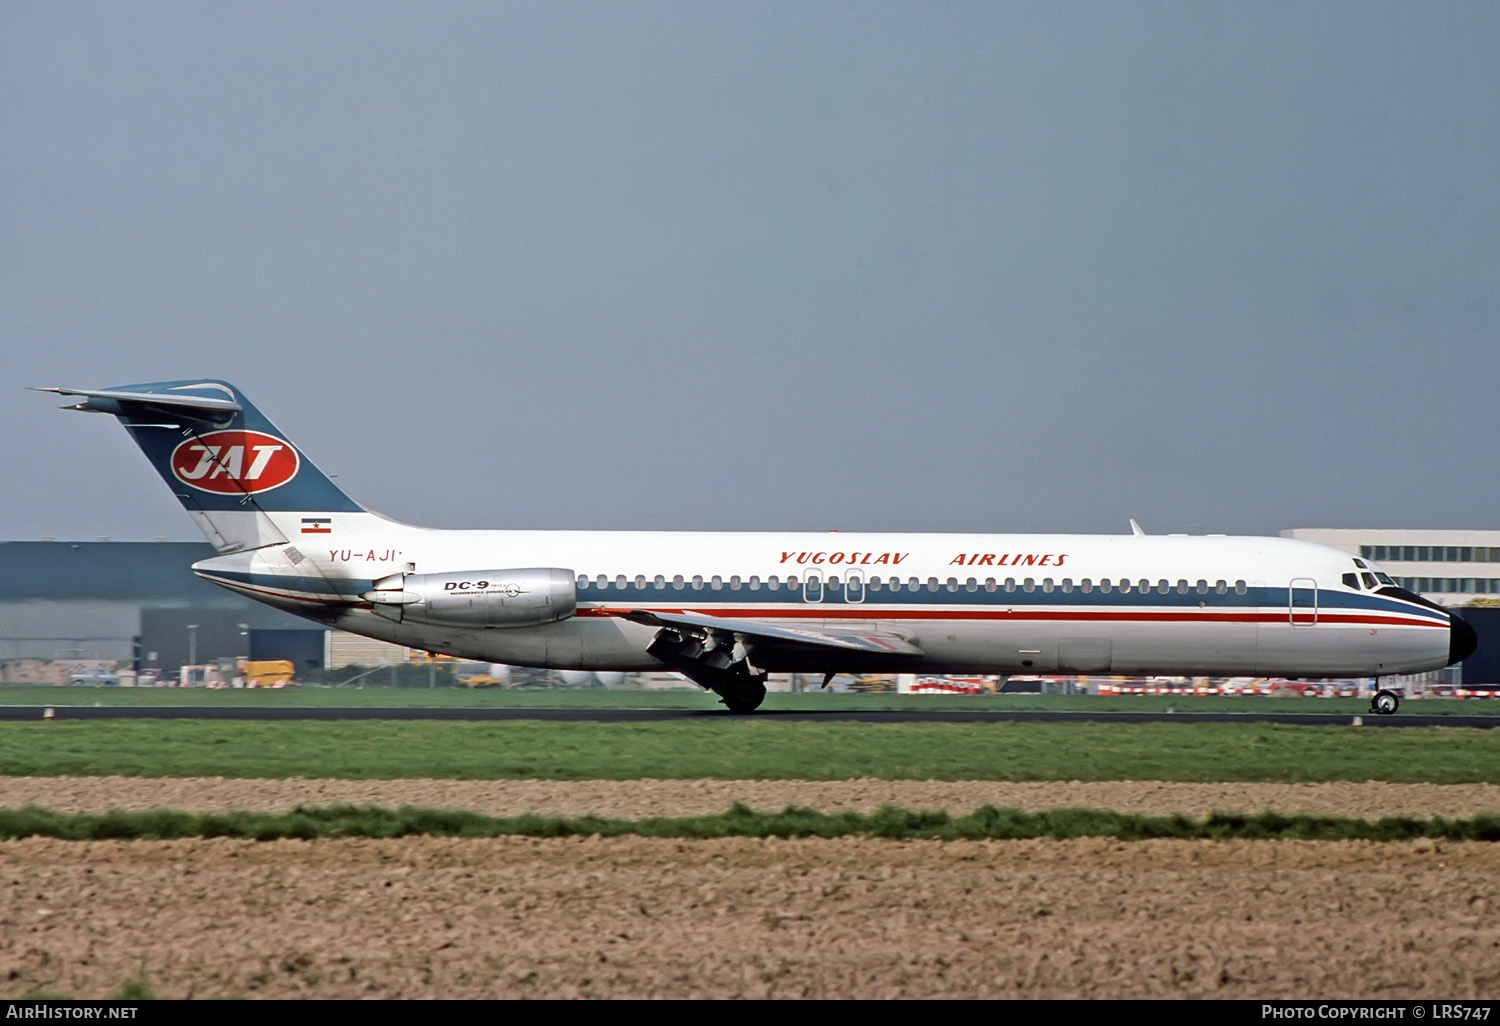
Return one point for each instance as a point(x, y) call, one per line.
point(116, 401)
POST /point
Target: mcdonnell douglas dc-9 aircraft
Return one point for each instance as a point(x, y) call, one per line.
point(725, 609)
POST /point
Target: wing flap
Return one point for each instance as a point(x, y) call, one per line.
point(841, 639)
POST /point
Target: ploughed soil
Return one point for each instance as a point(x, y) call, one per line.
point(847, 918)
point(637, 799)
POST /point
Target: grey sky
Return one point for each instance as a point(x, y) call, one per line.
point(992, 267)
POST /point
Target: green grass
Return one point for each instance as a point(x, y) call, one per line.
point(749, 747)
point(601, 698)
point(891, 823)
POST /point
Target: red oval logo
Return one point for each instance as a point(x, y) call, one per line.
point(235, 462)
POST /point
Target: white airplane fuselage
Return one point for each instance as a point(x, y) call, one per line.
point(998, 604)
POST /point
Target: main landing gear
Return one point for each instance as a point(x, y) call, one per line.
point(1385, 702)
point(715, 661)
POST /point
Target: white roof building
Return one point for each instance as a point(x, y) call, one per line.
point(1451, 568)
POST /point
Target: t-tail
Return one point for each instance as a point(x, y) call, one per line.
point(244, 482)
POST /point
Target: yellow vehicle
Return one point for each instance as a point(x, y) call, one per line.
point(267, 673)
point(483, 680)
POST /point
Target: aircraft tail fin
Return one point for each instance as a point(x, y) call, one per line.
point(230, 467)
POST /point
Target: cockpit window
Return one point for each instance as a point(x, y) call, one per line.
point(1361, 564)
point(1385, 579)
point(1369, 580)
point(1351, 581)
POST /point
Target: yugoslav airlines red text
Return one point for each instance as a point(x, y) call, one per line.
point(852, 558)
point(1008, 559)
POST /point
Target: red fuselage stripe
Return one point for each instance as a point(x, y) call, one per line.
point(812, 612)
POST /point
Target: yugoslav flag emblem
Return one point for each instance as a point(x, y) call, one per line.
point(235, 462)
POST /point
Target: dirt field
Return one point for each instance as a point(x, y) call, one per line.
point(634, 799)
point(846, 918)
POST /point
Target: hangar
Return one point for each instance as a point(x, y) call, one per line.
point(116, 601)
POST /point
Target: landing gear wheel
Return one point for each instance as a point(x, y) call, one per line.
point(1384, 703)
point(744, 696)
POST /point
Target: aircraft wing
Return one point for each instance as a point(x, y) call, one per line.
point(842, 639)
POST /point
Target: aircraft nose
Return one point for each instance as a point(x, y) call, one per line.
point(1462, 641)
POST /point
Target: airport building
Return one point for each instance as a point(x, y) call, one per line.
point(66, 605)
point(1451, 568)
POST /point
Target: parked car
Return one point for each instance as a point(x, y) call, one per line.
point(94, 678)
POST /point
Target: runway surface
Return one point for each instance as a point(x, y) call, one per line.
point(188, 712)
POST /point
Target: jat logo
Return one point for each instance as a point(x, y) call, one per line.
point(235, 462)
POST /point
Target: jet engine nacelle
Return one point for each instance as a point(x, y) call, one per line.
point(477, 598)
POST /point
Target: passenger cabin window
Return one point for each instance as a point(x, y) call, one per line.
point(1240, 587)
point(1221, 586)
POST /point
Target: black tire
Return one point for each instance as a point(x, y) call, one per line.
point(744, 697)
point(1385, 703)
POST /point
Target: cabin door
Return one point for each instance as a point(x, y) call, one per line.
point(1302, 602)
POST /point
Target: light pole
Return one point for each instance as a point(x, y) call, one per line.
point(192, 652)
point(239, 677)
